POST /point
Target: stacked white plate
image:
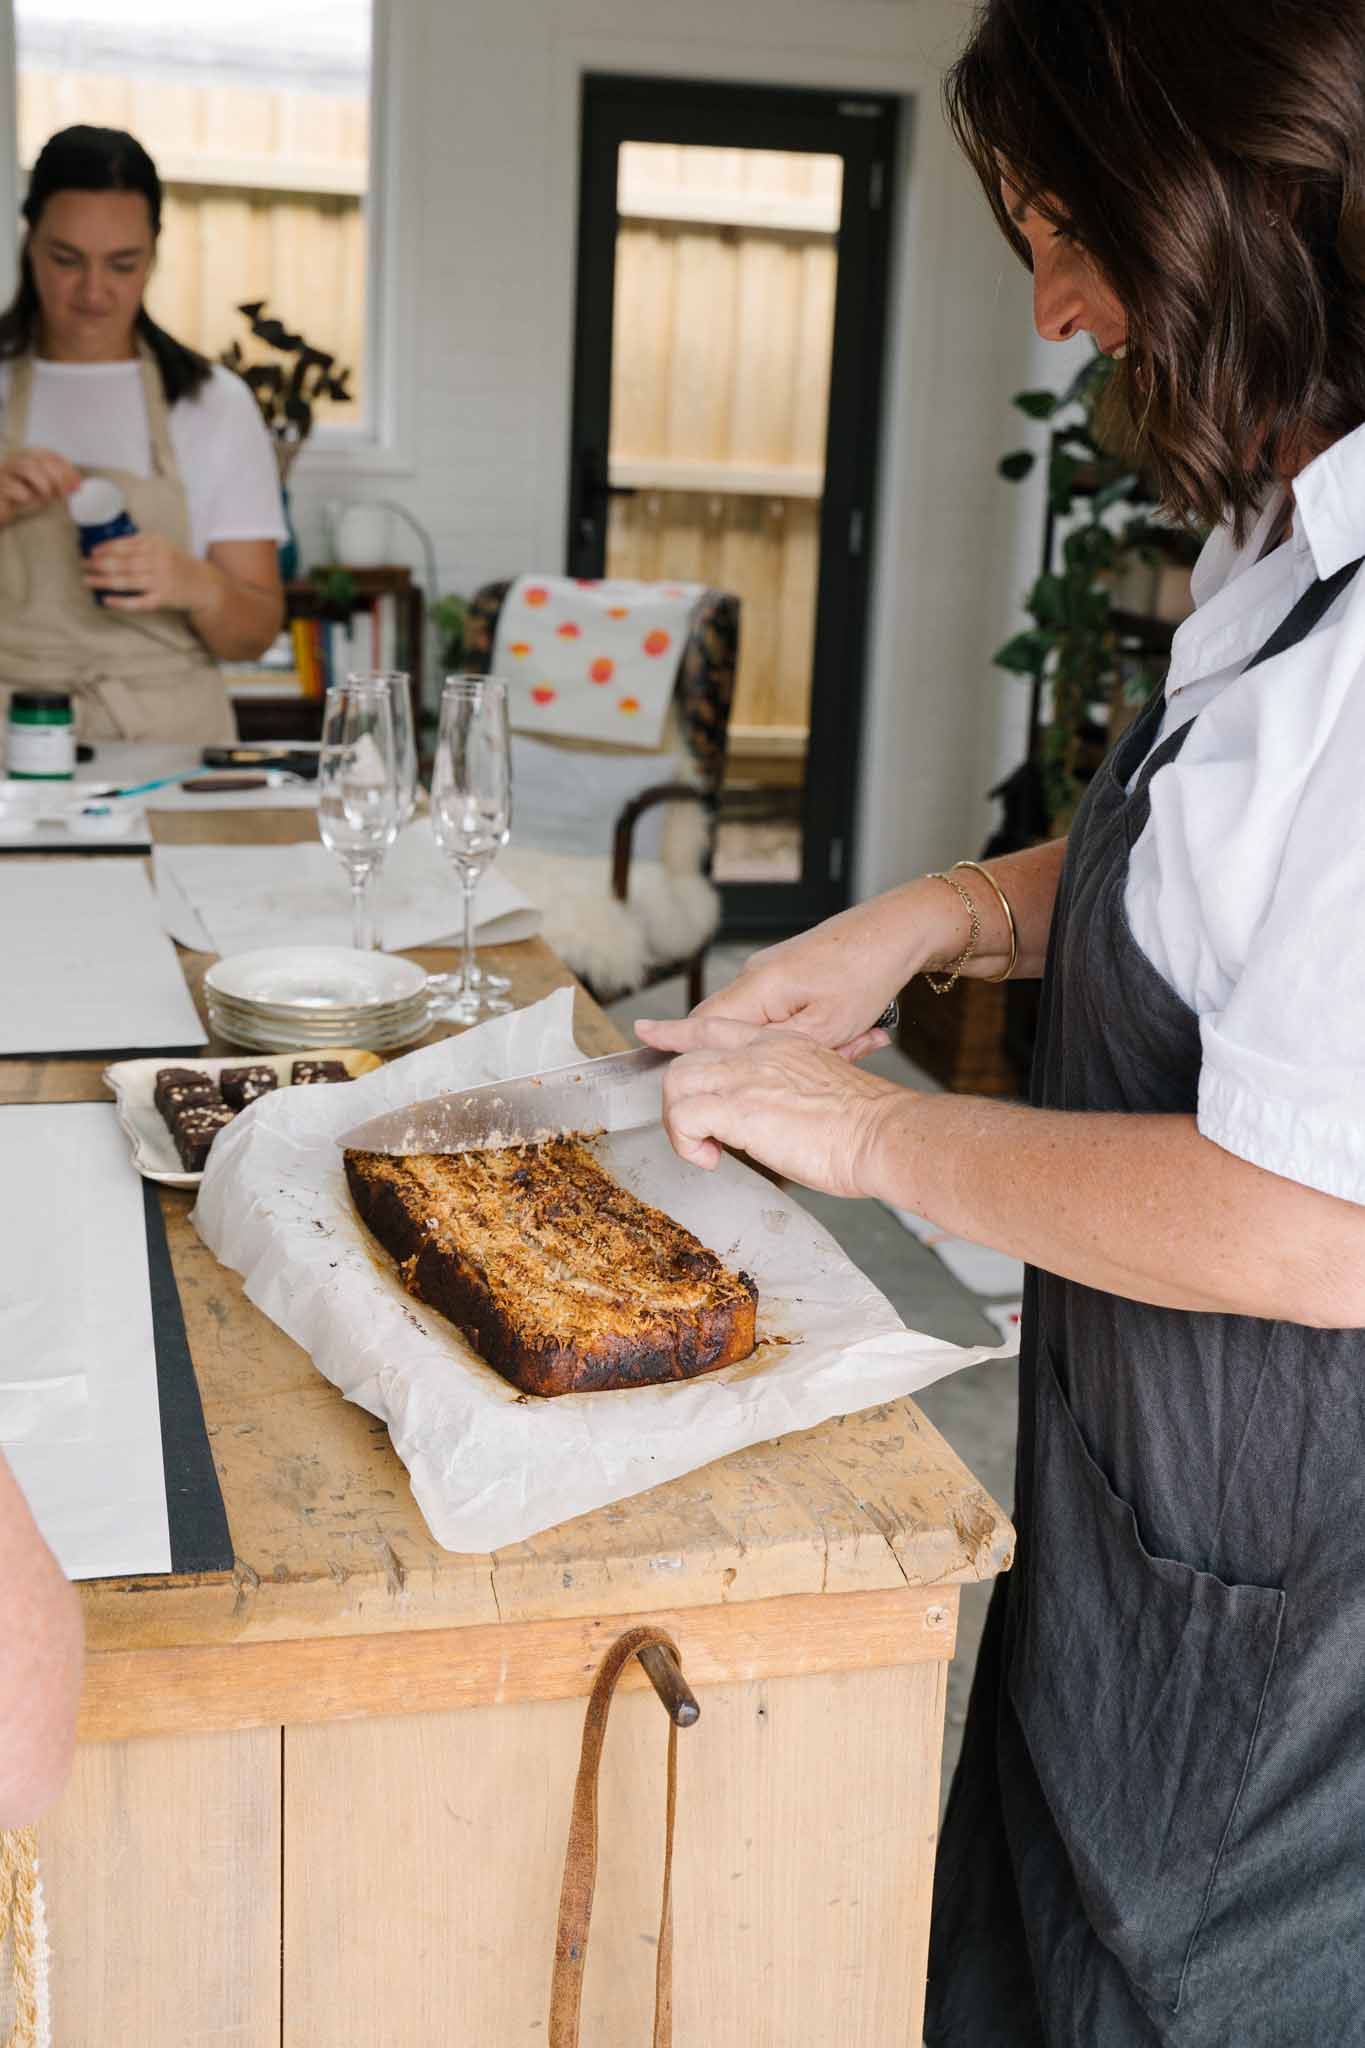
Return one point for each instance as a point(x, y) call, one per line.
point(306, 998)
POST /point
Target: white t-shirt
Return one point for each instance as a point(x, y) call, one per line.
point(1246, 887)
point(96, 415)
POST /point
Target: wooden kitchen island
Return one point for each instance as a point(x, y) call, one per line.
point(323, 1799)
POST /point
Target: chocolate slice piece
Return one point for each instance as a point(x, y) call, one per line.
point(178, 1085)
point(307, 1072)
point(241, 1085)
point(194, 1130)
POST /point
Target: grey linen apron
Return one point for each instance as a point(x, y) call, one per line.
point(1156, 1834)
point(132, 675)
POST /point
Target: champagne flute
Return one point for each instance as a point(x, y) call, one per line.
point(399, 684)
point(359, 799)
point(406, 738)
point(471, 815)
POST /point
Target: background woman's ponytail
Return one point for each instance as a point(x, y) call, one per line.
point(86, 159)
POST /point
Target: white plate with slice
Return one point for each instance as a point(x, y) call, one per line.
point(133, 1083)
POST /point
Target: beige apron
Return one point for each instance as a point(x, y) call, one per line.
point(133, 675)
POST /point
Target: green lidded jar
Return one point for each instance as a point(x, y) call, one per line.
point(40, 738)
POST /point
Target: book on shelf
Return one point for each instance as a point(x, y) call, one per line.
point(380, 628)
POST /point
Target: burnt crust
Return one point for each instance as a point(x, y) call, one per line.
point(559, 1278)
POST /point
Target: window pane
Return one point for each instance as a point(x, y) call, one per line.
point(258, 122)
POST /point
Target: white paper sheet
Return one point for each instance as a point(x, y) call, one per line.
point(488, 1466)
point(124, 762)
point(84, 963)
point(80, 1417)
point(121, 764)
point(231, 899)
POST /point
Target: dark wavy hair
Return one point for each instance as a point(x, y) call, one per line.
point(1209, 157)
point(97, 160)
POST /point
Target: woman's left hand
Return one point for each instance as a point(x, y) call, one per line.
point(793, 1105)
point(161, 577)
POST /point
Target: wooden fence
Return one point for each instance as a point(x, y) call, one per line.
point(263, 200)
point(725, 277)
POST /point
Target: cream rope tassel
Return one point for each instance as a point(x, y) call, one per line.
point(18, 1926)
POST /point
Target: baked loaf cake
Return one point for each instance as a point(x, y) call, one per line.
point(561, 1280)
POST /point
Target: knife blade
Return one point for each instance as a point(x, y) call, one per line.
point(618, 1093)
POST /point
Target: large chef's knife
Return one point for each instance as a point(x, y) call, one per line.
point(618, 1093)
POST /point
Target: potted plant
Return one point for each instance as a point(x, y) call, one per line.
point(1094, 651)
point(448, 617)
point(1091, 658)
point(286, 393)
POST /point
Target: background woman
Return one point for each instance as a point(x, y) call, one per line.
point(1157, 1830)
point(91, 386)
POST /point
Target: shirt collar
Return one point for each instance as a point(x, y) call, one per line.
point(1330, 495)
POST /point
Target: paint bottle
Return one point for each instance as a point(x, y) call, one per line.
point(100, 513)
point(40, 736)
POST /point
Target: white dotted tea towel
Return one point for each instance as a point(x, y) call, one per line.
point(592, 660)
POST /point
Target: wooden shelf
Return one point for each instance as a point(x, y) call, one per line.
point(285, 712)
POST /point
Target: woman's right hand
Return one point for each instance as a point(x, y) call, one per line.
point(31, 480)
point(832, 983)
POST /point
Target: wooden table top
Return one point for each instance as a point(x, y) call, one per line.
point(330, 1543)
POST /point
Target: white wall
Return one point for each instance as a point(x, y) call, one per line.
point(485, 95)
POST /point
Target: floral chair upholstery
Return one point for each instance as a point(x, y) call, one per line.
point(622, 911)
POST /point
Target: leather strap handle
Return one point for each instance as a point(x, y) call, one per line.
point(580, 1858)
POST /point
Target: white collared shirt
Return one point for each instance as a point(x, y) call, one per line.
point(1246, 887)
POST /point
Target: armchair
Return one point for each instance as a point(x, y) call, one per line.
point(616, 844)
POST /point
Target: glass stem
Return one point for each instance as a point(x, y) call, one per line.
point(470, 881)
point(362, 923)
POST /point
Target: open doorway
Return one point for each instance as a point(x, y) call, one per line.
point(731, 313)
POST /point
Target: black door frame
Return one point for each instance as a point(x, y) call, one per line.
point(861, 128)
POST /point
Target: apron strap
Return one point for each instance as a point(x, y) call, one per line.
point(17, 405)
point(1314, 605)
point(580, 1859)
point(1311, 608)
point(158, 414)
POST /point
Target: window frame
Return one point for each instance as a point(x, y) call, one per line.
point(383, 444)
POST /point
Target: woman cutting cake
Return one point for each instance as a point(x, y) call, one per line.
point(1156, 1836)
point(92, 389)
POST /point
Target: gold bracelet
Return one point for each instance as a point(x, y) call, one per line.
point(940, 982)
point(988, 877)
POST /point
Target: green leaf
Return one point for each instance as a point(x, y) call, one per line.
point(1114, 493)
point(1025, 654)
point(1037, 405)
point(1089, 550)
point(1047, 601)
point(1017, 465)
point(1086, 386)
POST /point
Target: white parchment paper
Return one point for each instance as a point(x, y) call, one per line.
point(231, 899)
point(490, 1466)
